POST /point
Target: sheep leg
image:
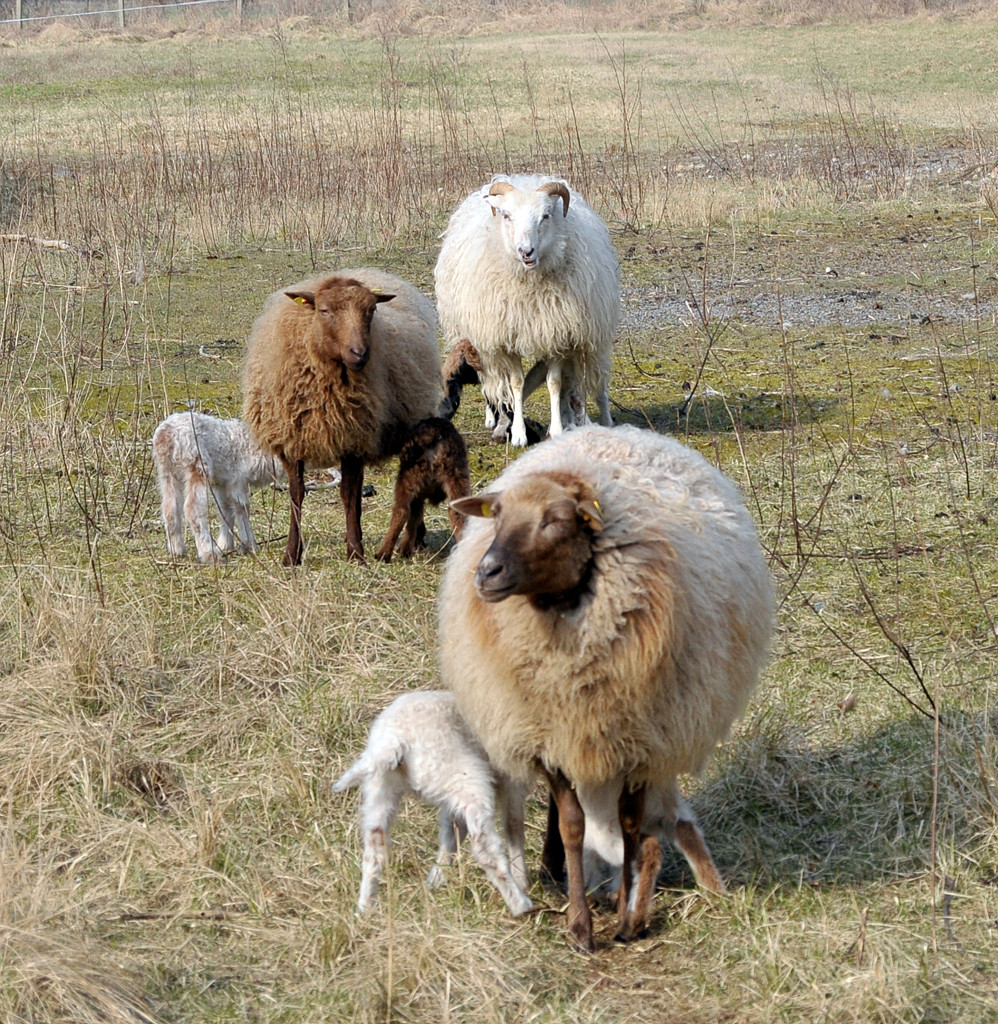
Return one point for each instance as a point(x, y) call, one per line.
point(415, 528)
point(691, 844)
point(572, 826)
point(351, 488)
point(296, 491)
point(399, 515)
point(486, 848)
point(511, 801)
point(518, 433)
point(172, 510)
point(382, 794)
point(553, 854)
point(451, 831)
point(225, 503)
point(554, 391)
point(634, 899)
point(196, 510)
point(240, 501)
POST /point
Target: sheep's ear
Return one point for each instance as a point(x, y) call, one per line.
point(381, 296)
point(479, 505)
point(591, 514)
point(303, 298)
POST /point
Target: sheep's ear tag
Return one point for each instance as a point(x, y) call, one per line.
point(592, 515)
point(472, 506)
point(300, 299)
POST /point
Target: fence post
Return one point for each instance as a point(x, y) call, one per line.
point(121, 13)
point(18, 13)
point(239, 12)
point(348, 10)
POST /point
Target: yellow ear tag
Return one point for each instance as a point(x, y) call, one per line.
point(596, 506)
point(300, 299)
point(486, 510)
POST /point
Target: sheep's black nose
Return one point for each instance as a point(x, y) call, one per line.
point(493, 579)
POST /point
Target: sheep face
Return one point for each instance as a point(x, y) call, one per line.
point(530, 222)
point(342, 311)
point(543, 541)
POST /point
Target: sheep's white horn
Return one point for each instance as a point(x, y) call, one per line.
point(556, 188)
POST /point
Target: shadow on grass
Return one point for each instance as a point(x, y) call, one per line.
point(708, 414)
point(780, 811)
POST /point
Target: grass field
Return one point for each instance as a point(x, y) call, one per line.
point(807, 220)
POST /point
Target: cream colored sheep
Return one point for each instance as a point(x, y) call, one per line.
point(604, 623)
point(339, 369)
point(527, 271)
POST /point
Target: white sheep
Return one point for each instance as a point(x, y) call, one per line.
point(420, 744)
point(527, 271)
point(197, 456)
point(340, 368)
point(604, 622)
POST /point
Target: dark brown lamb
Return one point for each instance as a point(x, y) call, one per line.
point(433, 466)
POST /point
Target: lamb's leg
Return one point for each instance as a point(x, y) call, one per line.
point(572, 826)
point(382, 794)
point(456, 485)
point(226, 540)
point(415, 528)
point(554, 391)
point(511, 801)
point(451, 832)
point(691, 843)
point(486, 848)
point(633, 900)
point(296, 492)
point(240, 504)
point(196, 510)
point(400, 513)
point(172, 510)
point(351, 488)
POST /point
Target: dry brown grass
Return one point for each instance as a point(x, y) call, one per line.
point(168, 732)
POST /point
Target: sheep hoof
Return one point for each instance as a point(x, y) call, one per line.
point(582, 940)
point(631, 930)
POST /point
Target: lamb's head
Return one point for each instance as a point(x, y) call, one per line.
point(531, 221)
point(342, 310)
point(543, 545)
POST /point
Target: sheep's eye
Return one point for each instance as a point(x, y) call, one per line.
point(505, 215)
point(547, 216)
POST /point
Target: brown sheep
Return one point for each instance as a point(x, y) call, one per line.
point(433, 465)
point(327, 380)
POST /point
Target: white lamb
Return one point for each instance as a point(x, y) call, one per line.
point(527, 270)
point(197, 455)
point(420, 744)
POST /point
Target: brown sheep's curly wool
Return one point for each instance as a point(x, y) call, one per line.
point(308, 401)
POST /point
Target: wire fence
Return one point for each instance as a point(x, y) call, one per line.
point(21, 15)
